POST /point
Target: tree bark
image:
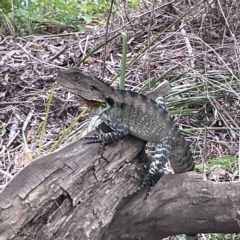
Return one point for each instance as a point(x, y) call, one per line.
point(73, 193)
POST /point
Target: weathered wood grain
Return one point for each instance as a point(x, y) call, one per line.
point(73, 194)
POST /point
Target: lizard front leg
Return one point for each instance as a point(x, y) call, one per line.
point(119, 132)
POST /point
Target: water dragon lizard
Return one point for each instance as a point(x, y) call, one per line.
point(127, 112)
point(130, 112)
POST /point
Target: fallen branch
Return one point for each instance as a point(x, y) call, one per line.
point(73, 194)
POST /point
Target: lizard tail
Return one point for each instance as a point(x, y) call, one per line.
point(191, 237)
point(181, 158)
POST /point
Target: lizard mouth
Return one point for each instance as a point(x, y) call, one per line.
point(82, 93)
point(92, 103)
point(72, 88)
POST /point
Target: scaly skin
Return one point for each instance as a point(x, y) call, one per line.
point(129, 112)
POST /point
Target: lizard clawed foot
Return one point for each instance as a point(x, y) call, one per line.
point(96, 138)
point(104, 139)
point(144, 183)
point(148, 180)
point(93, 139)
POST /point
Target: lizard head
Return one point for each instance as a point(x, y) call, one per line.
point(91, 90)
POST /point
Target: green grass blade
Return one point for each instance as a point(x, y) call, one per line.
point(68, 129)
point(123, 66)
point(96, 49)
point(46, 118)
point(27, 120)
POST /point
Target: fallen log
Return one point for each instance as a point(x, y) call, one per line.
point(73, 193)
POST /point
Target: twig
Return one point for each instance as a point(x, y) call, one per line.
point(59, 53)
point(204, 154)
point(188, 45)
point(85, 48)
point(106, 38)
point(6, 173)
point(149, 33)
point(29, 54)
point(239, 157)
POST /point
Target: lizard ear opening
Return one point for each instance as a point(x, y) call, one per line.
point(110, 101)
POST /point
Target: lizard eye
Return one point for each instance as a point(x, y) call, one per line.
point(76, 77)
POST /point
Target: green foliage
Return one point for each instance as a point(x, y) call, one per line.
point(28, 17)
point(214, 236)
point(229, 163)
point(181, 237)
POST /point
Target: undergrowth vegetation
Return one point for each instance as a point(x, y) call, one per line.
point(20, 17)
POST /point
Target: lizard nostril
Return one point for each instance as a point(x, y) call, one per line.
point(92, 88)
